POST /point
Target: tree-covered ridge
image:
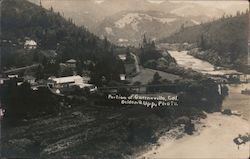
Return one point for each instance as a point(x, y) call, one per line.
point(228, 36)
point(22, 19)
point(150, 54)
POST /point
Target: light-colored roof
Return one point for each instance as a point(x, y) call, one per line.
point(70, 79)
point(13, 76)
point(71, 61)
point(30, 42)
point(122, 77)
point(122, 56)
point(67, 79)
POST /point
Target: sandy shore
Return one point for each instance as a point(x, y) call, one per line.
point(214, 140)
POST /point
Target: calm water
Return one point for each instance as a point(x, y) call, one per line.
point(235, 100)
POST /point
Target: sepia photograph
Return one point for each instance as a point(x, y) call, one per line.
point(124, 79)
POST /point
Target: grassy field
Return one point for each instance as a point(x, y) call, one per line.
point(146, 75)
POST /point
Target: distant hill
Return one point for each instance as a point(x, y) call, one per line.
point(227, 36)
point(100, 16)
point(91, 12)
point(128, 27)
point(21, 19)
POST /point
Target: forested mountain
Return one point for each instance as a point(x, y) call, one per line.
point(227, 37)
point(128, 27)
point(85, 10)
point(21, 19)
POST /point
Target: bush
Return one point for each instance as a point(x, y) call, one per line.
point(22, 102)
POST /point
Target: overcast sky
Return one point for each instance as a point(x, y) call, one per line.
point(216, 3)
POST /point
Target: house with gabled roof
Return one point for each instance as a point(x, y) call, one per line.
point(30, 44)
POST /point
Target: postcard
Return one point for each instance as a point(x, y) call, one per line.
point(125, 79)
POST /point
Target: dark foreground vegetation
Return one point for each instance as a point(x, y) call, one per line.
point(91, 126)
point(90, 131)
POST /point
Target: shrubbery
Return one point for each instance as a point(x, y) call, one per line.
point(21, 102)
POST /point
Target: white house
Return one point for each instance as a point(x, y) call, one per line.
point(13, 76)
point(71, 63)
point(122, 57)
point(122, 77)
point(30, 44)
point(2, 80)
point(29, 79)
point(81, 82)
point(70, 80)
point(2, 111)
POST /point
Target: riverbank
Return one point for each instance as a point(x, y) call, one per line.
point(214, 58)
point(209, 56)
point(213, 139)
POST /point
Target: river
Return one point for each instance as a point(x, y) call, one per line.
point(235, 100)
point(216, 129)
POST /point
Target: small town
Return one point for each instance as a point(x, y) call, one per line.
point(141, 79)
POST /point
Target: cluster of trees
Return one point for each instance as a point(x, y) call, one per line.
point(230, 40)
point(106, 70)
point(148, 51)
point(22, 102)
point(201, 94)
point(151, 57)
point(129, 57)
